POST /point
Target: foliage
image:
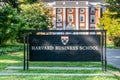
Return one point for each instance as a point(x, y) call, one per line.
point(10, 24)
point(112, 25)
point(116, 40)
point(114, 5)
point(13, 4)
point(16, 59)
point(37, 15)
point(31, 1)
point(10, 48)
point(17, 3)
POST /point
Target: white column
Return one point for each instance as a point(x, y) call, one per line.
point(87, 18)
point(54, 19)
point(77, 18)
point(64, 18)
point(99, 12)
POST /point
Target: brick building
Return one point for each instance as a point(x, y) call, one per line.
point(75, 14)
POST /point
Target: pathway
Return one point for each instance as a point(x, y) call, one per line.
point(113, 57)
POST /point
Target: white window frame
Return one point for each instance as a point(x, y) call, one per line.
point(59, 10)
point(59, 24)
point(70, 16)
point(92, 17)
point(92, 10)
point(82, 10)
point(70, 10)
point(59, 18)
point(82, 16)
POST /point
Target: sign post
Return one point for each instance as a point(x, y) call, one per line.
point(65, 47)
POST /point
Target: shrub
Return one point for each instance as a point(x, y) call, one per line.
point(3, 51)
point(116, 41)
point(10, 48)
point(10, 24)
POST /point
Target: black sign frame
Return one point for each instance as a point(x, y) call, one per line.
point(102, 33)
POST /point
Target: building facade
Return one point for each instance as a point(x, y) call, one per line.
point(75, 14)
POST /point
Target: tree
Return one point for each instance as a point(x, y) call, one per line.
point(10, 24)
point(37, 16)
point(13, 4)
point(114, 5)
point(17, 3)
point(112, 25)
point(31, 1)
point(111, 21)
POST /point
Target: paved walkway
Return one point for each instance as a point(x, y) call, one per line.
point(51, 74)
point(57, 68)
point(113, 57)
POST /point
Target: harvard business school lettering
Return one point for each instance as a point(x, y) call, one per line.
point(64, 48)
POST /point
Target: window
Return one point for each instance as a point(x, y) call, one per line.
point(70, 18)
point(81, 10)
point(59, 10)
point(82, 18)
point(92, 18)
point(70, 10)
point(59, 18)
point(92, 10)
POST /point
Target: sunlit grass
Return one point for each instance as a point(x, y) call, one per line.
point(16, 59)
point(63, 71)
point(57, 78)
point(112, 46)
point(9, 61)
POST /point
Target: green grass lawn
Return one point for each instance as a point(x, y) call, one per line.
point(15, 58)
point(56, 78)
point(112, 46)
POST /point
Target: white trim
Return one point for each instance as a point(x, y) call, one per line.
point(95, 3)
point(99, 12)
point(64, 3)
point(77, 18)
point(70, 7)
point(59, 24)
point(54, 12)
point(92, 25)
point(82, 24)
point(59, 29)
point(77, 2)
point(87, 18)
point(64, 18)
point(51, 4)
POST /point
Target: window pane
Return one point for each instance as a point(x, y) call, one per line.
point(59, 18)
point(81, 18)
point(92, 18)
point(81, 10)
point(92, 10)
point(59, 10)
point(70, 10)
point(70, 18)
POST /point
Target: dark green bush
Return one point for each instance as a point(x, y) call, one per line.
point(3, 51)
point(116, 41)
point(11, 24)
